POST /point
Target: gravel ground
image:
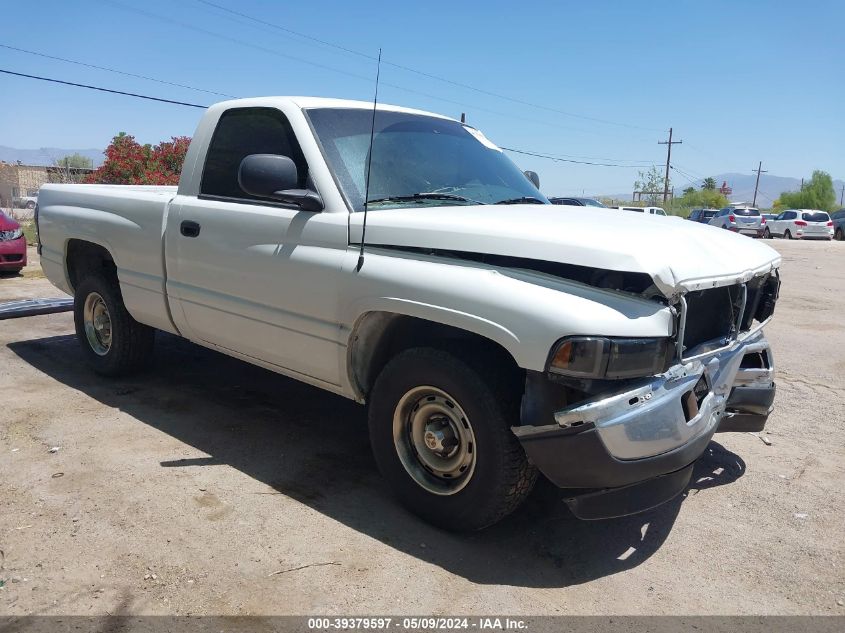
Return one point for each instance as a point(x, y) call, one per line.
point(211, 486)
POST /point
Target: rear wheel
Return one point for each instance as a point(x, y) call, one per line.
point(112, 342)
point(839, 235)
point(440, 433)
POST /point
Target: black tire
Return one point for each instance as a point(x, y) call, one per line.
point(787, 235)
point(131, 343)
point(501, 476)
point(767, 234)
point(839, 236)
point(30, 205)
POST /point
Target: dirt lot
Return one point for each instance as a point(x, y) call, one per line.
point(211, 486)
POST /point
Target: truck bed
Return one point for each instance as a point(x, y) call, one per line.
point(126, 220)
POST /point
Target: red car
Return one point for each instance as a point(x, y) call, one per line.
point(12, 245)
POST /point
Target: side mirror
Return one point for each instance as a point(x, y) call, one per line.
point(533, 177)
point(275, 177)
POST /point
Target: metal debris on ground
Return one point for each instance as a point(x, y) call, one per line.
point(284, 571)
point(55, 449)
point(33, 307)
point(762, 438)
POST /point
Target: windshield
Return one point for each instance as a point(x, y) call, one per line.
point(416, 160)
point(818, 216)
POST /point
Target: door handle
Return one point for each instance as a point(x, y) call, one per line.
point(189, 229)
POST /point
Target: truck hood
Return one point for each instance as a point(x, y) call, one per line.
point(678, 255)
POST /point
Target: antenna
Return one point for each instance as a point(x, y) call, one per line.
point(369, 164)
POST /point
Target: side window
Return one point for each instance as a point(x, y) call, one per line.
point(239, 133)
point(790, 215)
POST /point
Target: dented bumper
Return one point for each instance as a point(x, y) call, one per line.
point(631, 450)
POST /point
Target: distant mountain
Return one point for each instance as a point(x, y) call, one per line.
point(743, 187)
point(770, 187)
point(47, 155)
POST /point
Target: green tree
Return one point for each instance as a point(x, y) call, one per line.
point(652, 182)
point(705, 198)
point(75, 161)
point(689, 190)
point(818, 193)
point(709, 184)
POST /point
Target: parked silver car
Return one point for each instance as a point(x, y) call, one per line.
point(801, 224)
point(745, 220)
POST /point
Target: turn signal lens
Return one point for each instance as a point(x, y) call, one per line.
point(582, 356)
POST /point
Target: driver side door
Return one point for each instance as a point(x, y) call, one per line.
point(255, 277)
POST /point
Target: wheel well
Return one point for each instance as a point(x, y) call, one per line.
point(379, 336)
point(85, 258)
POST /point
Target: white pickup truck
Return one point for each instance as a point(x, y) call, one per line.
point(492, 334)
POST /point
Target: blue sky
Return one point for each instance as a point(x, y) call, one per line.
point(738, 81)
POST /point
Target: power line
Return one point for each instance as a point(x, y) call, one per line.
point(271, 51)
point(114, 70)
point(194, 105)
point(690, 178)
point(423, 73)
point(566, 160)
point(101, 89)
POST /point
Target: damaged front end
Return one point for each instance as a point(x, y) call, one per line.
point(625, 444)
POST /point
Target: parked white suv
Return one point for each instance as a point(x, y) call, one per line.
point(801, 224)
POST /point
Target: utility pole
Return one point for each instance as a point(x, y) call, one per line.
point(668, 145)
point(759, 171)
point(841, 195)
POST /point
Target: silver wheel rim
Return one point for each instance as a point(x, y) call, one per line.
point(434, 440)
point(98, 331)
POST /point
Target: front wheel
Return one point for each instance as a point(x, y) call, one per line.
point(787, 235)
point(767, 234)
point(440, 433)
point(112, 342)
point(839, 235)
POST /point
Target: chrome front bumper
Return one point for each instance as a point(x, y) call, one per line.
point(667, 412)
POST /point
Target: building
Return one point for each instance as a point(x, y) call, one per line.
point(18, 181)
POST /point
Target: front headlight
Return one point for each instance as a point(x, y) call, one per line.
point(11, 235)
point(613, 358)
